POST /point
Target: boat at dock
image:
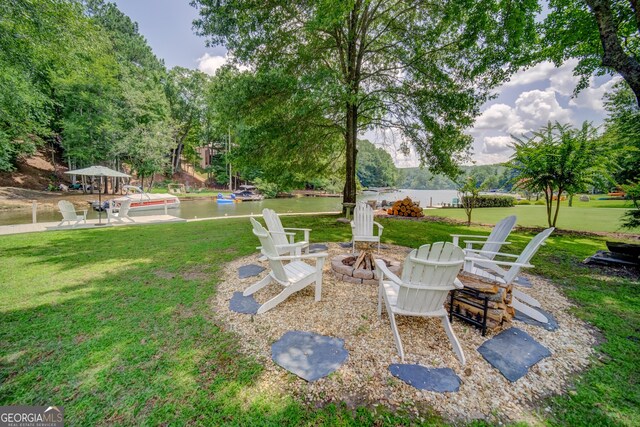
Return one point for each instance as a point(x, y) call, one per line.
point(140, 200)
point(221, 200)
point(247, 193)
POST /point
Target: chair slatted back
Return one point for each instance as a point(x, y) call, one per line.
point(428, 276)
point(269, 250)
point(528, 253)
point(499, 234)
point(274, 225)
point(67, 210)
point(363, 220)
point(124, 208)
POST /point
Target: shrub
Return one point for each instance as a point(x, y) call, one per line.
point(539, 202)
point(493, 201)
point(523, 202)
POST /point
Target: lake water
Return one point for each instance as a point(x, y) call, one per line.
point(207, 208)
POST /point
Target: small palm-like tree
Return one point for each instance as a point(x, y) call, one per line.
point(557, 159)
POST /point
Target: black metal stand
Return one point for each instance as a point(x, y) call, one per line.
point(477, 320)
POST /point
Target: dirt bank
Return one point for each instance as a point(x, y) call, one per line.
point(13, 198)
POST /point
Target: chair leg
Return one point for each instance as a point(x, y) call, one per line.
point(380, 290)
point(286, 293)
point(257, 286)
point(531, 312)
point(454, 340)
point(319, 266)
point(525, 298)
point(396, 334)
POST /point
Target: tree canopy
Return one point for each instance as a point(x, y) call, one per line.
point(419, 69)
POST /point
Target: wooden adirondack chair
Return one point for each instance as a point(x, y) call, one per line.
point(293, 276)
point(284, 238)
point(70, 214)
point(491, 243)
point(120, 213)
point(362, 226)
point(491, 269)
point(429, 273)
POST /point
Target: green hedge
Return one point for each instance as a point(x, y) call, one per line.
point(493, 201)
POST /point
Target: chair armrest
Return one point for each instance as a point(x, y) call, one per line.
point(486, 242)
point(300, 244)
point(469, 235)
point(485, 261)
point(298, 229)
point(384, 271)
point(282, 232)
point(294, 257)
point(477, 251)
point(380, 228)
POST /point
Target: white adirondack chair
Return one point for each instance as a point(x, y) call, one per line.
point(120, 213)
point(429, 273)
point(362, 226)
point(70, 214)
point(284, 238)
point(491, 269)
point(491, 243)
point(293, 276)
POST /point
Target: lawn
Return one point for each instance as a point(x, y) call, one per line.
point(114, 324)
point(578, 218)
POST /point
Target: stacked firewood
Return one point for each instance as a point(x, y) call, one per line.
point(364, 260)
point(406, 207)
point(499, 310)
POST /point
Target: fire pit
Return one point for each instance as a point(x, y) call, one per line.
point(360, 268)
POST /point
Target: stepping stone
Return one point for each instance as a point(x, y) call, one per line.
point(249, 270)
point(318, 247)
point(523, 281)
point(441, 380)
point(241, 304)
point(343, 220)
point(310, 356)
point(551, 326)
point(513, 352)
point(345, 244)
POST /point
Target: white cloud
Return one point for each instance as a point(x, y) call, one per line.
point(496, 144)
point(562, 80)
point(210, 63)
point(537, 107)
point(534, 74)
point(592, 97)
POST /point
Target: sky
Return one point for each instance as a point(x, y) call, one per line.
point(527, 102)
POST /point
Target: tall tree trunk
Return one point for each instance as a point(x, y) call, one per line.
point(351, 137)
point(555, 216)
point(614, 55)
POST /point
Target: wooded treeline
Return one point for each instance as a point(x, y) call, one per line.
point(79, 77)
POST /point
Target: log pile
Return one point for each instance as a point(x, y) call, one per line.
point(364, 261)
point(406, 207)
point(470, 304)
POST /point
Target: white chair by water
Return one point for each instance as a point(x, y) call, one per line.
point(120, 213)
point(362, 226)
point(493, 242)
point(284, 238)
point(477, 263)
point(70, 214)
point(293, 276)
point(429, 273)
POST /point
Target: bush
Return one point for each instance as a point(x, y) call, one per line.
point(493, 201)
point(540, 202)
point(523, 202)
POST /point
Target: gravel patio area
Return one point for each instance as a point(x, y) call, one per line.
point(349, 311)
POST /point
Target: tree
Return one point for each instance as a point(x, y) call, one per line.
point(469, 192)
point(186, 91)
point(558, 159)
point(375, 166)
point(421, 69)
point(601, 34)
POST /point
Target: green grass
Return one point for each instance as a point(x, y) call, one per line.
point(115, 325)
point(574, 218)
